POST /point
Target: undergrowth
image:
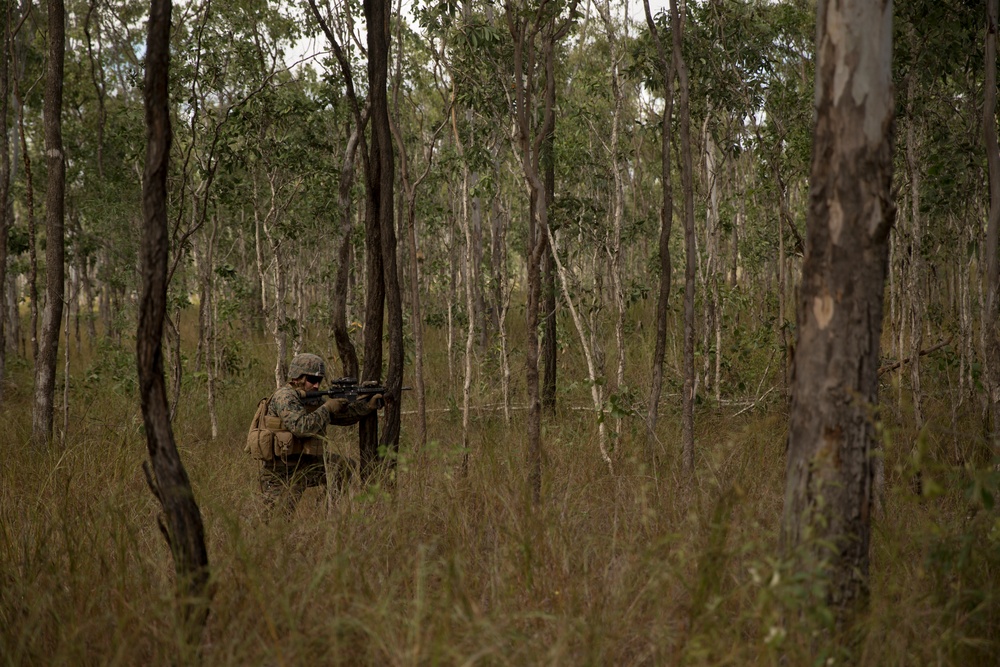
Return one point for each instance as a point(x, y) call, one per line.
point(638, 567)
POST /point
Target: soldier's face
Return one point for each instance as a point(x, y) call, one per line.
point(307, 382)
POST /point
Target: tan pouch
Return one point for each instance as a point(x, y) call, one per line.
point(260, 444)
point(283, 443)
point(313, 446)
point(260, 441)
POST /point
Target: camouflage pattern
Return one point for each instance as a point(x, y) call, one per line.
point(306, 364)
point(284, 480)
point(309, 418)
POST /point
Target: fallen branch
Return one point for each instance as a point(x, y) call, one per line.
point(898, 364)
point(755, 403)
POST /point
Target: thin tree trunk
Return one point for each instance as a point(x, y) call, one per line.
point(618, 198)
point(6, 209)
point(452, 272)
point(97, 78)
point(713, 315)
point(183, 526)
point(592, 375)
point(65, 397)
point(991, 319)
point(77, 283)
point(48, 350)
point(299, 299)
point(29, 198)
point(15, 337)
point(502, 296)
point(259, 254)
point(550, 346)
point(345, 347)
point(782, 323)
point(469, 293)
point(666, 221)
point(209, 351)
point(416, 258)
point(914, 284)
point(687, 417)
point(523, 30)
point(279, 330)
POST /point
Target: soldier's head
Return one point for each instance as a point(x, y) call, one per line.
point(306, 371)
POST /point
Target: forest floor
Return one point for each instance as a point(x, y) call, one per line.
point(638, 567)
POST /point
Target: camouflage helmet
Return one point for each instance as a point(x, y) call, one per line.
point(306, 364)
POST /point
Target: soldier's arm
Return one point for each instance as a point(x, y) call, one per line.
point(301, 422)
point(352, 413)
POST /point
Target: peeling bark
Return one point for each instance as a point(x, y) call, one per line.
point(831, 431)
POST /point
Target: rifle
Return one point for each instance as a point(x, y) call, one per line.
point(348, 388)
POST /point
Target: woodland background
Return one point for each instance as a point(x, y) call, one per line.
point(632, 527)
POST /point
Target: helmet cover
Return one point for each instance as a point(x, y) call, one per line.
point(306, 364)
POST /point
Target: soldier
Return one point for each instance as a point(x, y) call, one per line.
point(299, 425)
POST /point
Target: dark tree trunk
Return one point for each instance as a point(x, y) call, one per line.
point(666, 221)
point(831, 430)
point(6, 210)
point(991, 319)
point(687, 416)
point(524, 64)
point(48, 349)
point(181, 524)
point(383, 280)
point(378, 164)
point(523, 29)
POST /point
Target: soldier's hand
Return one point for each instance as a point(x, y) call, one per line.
point(376, 402)
point(335, 405)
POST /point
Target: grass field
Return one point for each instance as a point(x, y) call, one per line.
point(641, 567)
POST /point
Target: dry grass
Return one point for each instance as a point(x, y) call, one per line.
point(639, 568)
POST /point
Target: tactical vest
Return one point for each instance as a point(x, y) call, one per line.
point(268, 439)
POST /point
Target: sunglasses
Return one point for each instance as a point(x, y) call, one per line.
point(313, 379)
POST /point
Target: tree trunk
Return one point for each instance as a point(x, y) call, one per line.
point(914, 286)
point(6, 210)
point(417, 320)
point(467, 258)
point(596, 393)
point(501, 297)
point(550, 347)
point(29, 200)
point(618, 198)
point(48, 351)
point(383, 283)
point(687, 417)
point(524, 63)
point(831, 430)
point(345, 347)
point(991, 320)
point(209, 333)
point(666, 221)
point(183, 526)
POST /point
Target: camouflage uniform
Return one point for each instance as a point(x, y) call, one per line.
point(284, 479)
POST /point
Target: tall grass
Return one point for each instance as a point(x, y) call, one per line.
point(640, 568)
